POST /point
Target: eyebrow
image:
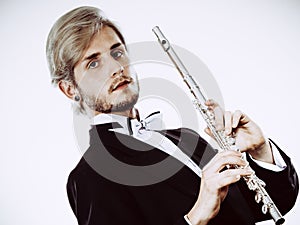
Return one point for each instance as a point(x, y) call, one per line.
point(92, 56)
point(115, 45)
point(96, 54)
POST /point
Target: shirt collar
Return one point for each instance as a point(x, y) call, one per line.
point(112, 118)
point(130, 126)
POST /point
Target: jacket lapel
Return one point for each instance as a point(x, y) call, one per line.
point(146, 159)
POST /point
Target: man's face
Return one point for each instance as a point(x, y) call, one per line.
point(106, 82)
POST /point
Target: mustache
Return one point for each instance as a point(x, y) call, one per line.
point(120, 81)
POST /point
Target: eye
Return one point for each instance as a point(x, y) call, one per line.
point(117, 54)
point(93, 64)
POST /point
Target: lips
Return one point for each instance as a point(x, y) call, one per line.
point(120, 85)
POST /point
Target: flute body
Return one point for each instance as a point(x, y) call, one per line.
point(225, 142)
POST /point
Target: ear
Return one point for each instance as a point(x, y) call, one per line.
point(67, 88)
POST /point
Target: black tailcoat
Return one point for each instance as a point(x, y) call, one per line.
point(100, 192)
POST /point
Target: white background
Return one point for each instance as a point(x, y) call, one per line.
point(251, 47)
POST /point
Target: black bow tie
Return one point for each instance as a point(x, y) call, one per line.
point(151, 122)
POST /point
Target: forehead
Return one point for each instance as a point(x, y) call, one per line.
point(102, 41)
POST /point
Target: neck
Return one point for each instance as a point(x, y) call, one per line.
point(131, 113)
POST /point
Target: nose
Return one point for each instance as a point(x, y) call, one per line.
point(118, 69)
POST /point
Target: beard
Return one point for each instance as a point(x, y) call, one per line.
point(104, 106)
point(125, 100)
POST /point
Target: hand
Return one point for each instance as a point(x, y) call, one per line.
point(248, 135)
point(214, 185)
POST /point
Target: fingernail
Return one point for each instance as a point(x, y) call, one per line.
point(238, 177)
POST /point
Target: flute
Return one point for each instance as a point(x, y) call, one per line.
point(224, 141)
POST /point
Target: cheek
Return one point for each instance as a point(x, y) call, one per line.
point(98, 87)
point(94, 82)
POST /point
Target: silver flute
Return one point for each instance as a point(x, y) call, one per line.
point(224, 141)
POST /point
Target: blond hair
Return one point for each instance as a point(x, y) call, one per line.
point(70, 36)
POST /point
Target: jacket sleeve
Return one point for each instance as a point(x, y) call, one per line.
point(106, 204)
point(282, 186)
point(72, 194)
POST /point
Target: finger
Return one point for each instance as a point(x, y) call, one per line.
point(237, 172)
point(211, 104)
point(228, 122)
point(218, 114)
point(227, 153)
point(219, 118)
point(225, 181)
point(228, 160)
point(208, 131)
point(220, 160)
point(231, 176)
point(239, 117)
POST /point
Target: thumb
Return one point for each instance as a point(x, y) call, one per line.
point(208, 131)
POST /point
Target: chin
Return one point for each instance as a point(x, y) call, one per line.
point(125, 104)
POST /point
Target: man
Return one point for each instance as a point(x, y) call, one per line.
point(131, 175)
